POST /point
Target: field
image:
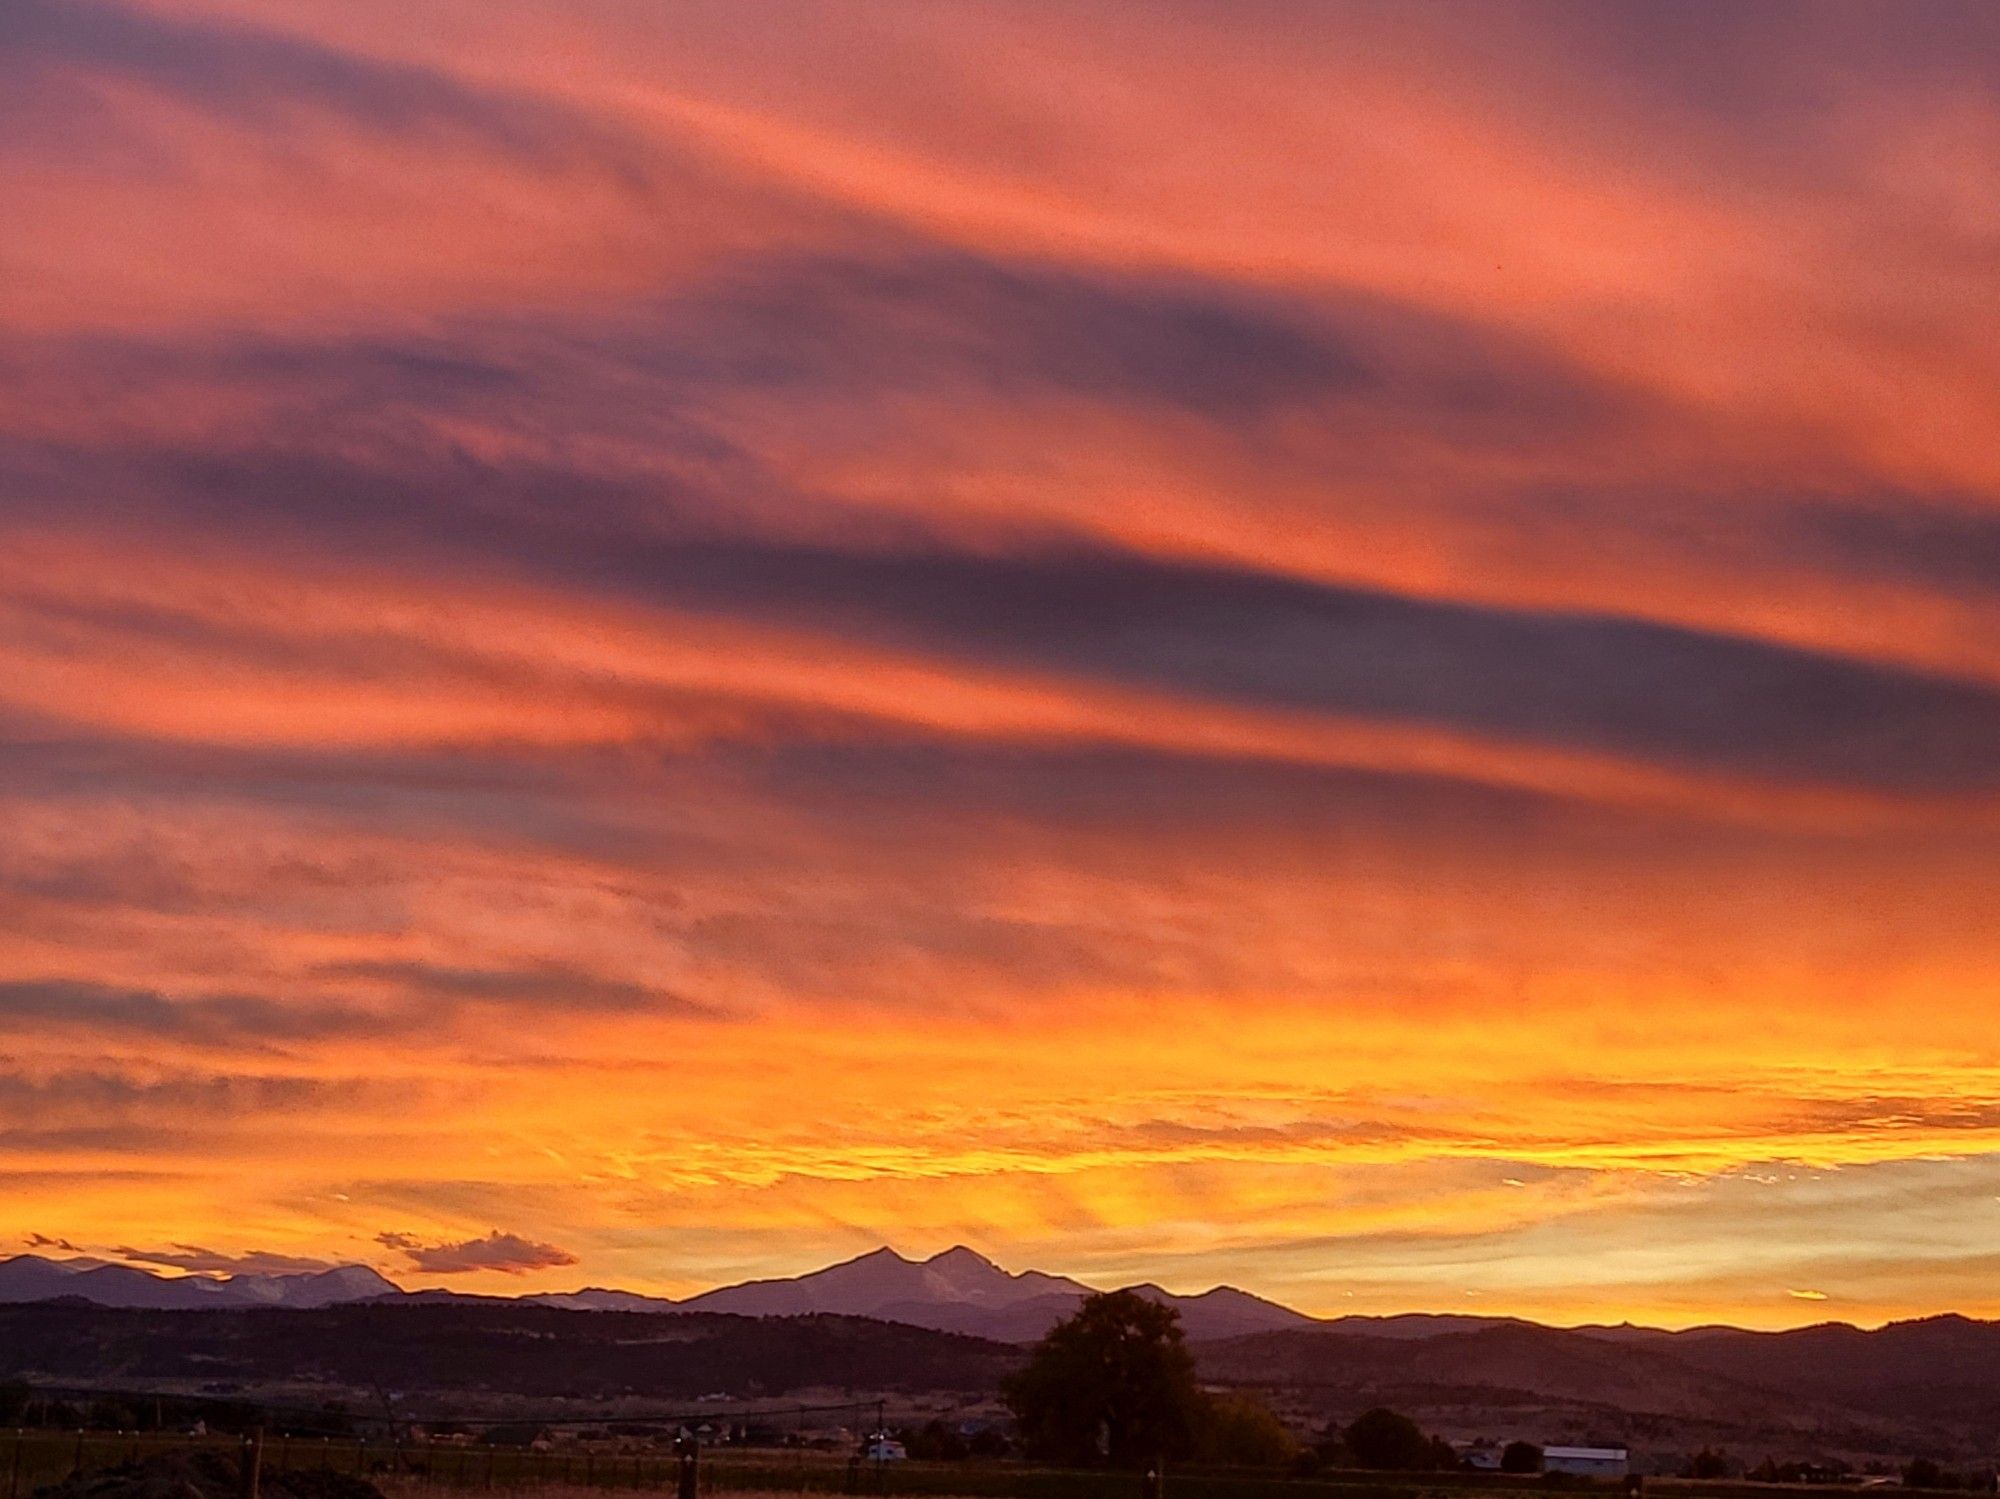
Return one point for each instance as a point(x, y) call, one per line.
point(447, 1471)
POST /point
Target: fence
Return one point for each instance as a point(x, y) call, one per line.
point(444, 1469)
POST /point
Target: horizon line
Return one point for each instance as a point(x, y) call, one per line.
point(174, 1273)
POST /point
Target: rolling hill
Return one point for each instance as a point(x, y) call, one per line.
point(485, 1348)
point(1914, 1388)
point(1926, 1388)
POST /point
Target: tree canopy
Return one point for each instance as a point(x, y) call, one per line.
point(1242, 1432)
point(1114, 1382)
point(1387, 1439)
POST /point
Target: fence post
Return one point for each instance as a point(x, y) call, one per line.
point(14, 1483)
point(253, 1463)
point(76, 1463)
point(687, 1455)
point(1155, 1482)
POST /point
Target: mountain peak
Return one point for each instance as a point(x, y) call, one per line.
point(886, 1255)
point(959, 1256)
point(356, 1275)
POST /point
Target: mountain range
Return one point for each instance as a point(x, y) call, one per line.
point(958, 1290)
point(962, 1291)
point(34, 1277)
point(956, 1322)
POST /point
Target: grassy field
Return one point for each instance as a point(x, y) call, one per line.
point(447, 1471)
point(415, 1471)
point(769, 1474)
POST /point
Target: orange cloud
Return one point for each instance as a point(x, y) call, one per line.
point(1305, 647)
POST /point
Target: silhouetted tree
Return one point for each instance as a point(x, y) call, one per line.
point(934, 1442)
point(1240, 1430)
point(1521, 1457)
point(1708, 1463)
point(1332, 1451)
point(1113, 1381)
point(1383, 1438)
point(987, 1443)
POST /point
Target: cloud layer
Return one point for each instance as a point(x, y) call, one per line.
point(1369, 644)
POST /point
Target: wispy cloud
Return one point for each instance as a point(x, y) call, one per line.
point(210, 1261)
point(1082, 638)
point(508, 1254)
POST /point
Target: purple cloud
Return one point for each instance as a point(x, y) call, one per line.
point(510, 1254)
point(250, 1262)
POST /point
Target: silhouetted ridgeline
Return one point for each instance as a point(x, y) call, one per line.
point(493, 1347)
point(1925, 1386)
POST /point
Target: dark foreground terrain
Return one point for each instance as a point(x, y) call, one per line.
point(1928, 1388)
point(202, 1473)
point(488, 1348)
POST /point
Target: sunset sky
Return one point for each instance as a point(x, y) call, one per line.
point(1349, 648)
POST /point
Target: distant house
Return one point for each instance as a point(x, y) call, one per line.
point(1586, 1462)
point(1482, 1456)
point(884, 1449)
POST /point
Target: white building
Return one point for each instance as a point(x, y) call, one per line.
point(1586, 1462)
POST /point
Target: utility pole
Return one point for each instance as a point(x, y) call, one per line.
point(253, 1463)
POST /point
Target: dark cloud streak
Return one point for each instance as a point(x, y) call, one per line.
point(507, 1253)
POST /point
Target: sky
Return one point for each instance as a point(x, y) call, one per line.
point(1348, 648)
